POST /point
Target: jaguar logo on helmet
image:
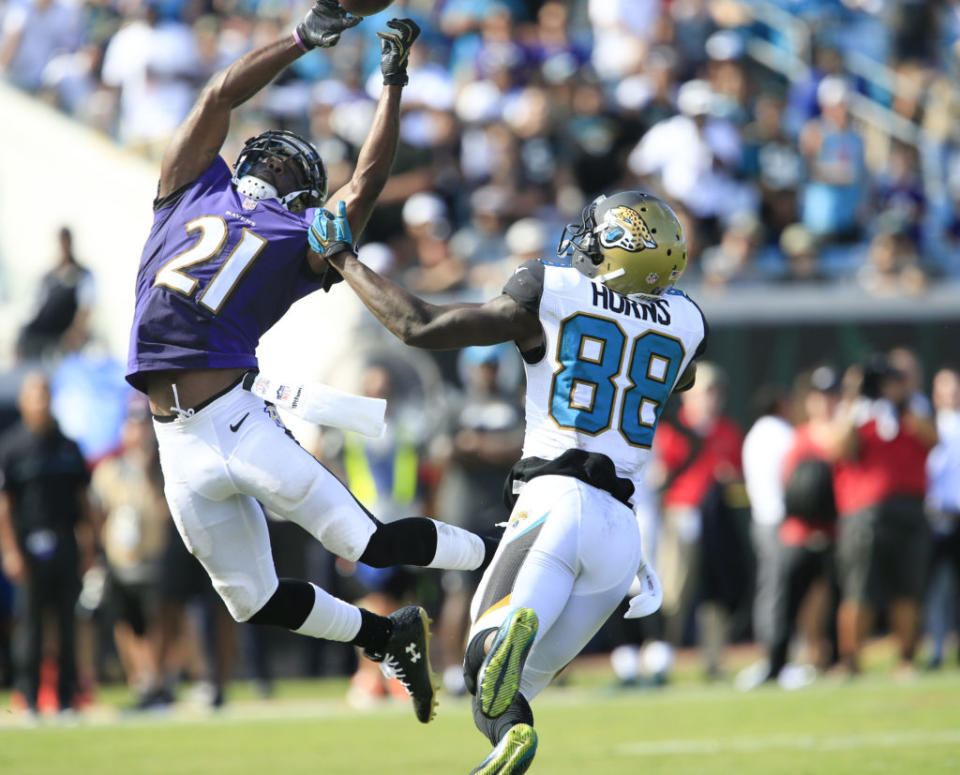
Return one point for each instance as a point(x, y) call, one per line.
point(623, 227)
point(631, 242)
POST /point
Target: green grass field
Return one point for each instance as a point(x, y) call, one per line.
point(871, 725)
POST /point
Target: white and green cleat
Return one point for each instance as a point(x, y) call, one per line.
point(513, 753)
point(498, 680)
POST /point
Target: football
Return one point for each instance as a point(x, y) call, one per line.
point(364, 7)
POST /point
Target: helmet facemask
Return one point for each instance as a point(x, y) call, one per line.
point(584, 245)
point(578, 241)
point(311, 187)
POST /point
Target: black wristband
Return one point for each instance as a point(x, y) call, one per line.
point(396, 79)
point(338, 247)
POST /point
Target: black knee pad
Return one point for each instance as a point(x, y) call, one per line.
point(411, 541)
point(473, 658)
point(495, 729)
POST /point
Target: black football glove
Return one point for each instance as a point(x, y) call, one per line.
point(322, 25)
point(395, 50)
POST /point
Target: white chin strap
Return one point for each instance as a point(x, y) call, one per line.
point(255, 188)
point(605, 278)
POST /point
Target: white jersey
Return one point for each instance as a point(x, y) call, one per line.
point(608, 366)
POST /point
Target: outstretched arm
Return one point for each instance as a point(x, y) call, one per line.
point(376, 156)
point(373, 164)
point(438, 327)
point(199, 139)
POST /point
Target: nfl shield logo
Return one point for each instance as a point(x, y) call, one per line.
point(249, 204)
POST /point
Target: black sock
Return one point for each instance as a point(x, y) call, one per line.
point(410, 541)
point(288, 607)
point(496, 729)
point(473, 658)
point(374, 632)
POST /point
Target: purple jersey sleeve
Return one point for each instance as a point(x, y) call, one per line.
point(217, 271)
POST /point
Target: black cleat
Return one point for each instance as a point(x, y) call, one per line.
point(407, 658)
point(155, 699)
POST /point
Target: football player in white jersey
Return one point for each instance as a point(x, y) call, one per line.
point(605, 340)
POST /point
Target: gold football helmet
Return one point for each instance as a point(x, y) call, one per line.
point(631, 242)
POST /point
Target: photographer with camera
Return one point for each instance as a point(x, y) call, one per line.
point(883, 540)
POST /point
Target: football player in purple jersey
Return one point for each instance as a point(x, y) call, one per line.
point(226, 257)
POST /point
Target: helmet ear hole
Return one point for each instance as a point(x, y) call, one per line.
point(297, 205)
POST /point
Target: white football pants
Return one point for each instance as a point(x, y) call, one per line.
point(220, 465)
point(570, 552)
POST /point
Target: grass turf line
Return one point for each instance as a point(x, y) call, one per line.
point(870, 725)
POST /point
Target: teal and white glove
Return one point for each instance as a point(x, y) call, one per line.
point(647, 593)
point(330, 234)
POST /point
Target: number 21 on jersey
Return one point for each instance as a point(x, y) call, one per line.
point(591, 351)
point(213, 234)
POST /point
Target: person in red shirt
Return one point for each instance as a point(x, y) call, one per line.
point(695, 452)
point(883, 539)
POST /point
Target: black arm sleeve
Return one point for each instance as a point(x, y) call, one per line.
point(525, 286)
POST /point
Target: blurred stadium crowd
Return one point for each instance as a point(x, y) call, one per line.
point(838, 158)
point(516, 115)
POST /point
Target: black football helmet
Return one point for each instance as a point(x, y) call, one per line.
point(311, 173)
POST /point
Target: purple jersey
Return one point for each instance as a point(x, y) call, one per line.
point(217, 271)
